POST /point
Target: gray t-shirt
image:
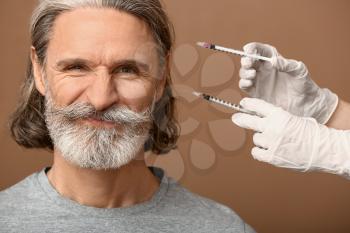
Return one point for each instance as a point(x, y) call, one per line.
point(33, 205)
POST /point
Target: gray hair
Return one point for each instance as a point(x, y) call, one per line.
point(28, 125)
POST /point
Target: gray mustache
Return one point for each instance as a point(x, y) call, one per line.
point(115, 114)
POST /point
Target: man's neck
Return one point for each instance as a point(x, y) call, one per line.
point(129, 185)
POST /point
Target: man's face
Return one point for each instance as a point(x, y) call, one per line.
point(102, 70)
point(103, 57)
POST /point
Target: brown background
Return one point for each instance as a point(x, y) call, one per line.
point(270, 199)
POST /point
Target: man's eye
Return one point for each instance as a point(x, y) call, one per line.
point(128, 70)
point(76, 68)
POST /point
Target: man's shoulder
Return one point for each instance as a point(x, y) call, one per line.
point(186, 198)
point(19, 193)
point(204, 210)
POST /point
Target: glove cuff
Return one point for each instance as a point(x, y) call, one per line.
point(331, 151)
point(329, 105)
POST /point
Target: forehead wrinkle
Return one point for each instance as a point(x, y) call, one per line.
point(90, 23)
point(79, 24)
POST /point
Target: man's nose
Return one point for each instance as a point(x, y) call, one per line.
point(103, 93)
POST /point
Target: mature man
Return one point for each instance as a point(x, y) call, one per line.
point(98, 95)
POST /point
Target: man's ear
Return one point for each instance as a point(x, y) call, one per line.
point(37, 72)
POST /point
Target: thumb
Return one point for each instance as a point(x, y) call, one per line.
point(261, 49)
point(293, 67)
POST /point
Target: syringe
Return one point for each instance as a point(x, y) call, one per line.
point(227, 104)
point(233, 51)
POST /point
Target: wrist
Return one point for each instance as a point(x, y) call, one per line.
point(340, 117)
point(327, 105)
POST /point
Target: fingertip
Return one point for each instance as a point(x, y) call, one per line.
point(256, 138)
point(259, 154)
point(244, 101)
point(260, 140)
point(233, 118)
point(247, 62)
point(247, 73)
point(245, 84)
point(236, 118)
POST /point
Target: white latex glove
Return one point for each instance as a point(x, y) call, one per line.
point(289, 141)
point(285, 83)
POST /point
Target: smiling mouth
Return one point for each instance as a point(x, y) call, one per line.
point(99, 123)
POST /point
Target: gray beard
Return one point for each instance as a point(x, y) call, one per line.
point(95, 147)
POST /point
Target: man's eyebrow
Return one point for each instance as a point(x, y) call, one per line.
point(141, 65)
point(70, 61)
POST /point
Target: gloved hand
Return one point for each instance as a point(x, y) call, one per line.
point(289, 141)
point(285, 83)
